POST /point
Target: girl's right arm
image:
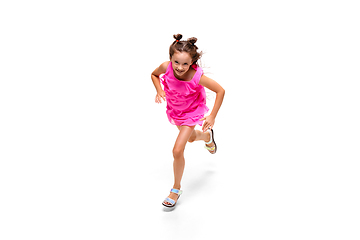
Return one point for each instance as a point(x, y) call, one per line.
point(156, 80)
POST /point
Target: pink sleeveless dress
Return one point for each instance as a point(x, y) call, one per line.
point(186, 100)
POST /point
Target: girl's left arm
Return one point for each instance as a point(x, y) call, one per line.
point(220, 93)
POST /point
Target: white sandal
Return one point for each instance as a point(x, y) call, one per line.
point(172, 201)
point(213, 149)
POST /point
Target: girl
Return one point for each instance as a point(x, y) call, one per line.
point(184, 93)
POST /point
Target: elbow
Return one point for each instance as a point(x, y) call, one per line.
point(220, 91)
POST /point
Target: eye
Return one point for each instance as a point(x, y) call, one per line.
point(185, 64)
point(176, 62)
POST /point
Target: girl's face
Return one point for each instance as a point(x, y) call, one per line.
point(181, 62)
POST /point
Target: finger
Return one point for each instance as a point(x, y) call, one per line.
point(205, 126)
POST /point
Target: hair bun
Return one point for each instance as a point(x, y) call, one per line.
point(177, 37)
point(192, 40)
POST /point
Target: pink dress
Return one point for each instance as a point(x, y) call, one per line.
point(186, 100)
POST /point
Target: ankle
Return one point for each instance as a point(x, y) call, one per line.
point(177, 187)
point(207, 139)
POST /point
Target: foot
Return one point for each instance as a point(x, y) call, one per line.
point(211, 145)
point(173, 196)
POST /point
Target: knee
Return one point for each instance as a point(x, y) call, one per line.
point(178, 152)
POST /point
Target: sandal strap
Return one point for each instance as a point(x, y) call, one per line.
point(210, 148)
point(172, 201)
point(177, 191)
point(211, 137)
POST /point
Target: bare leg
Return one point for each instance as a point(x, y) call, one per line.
point(179, 161)
point(200, 135)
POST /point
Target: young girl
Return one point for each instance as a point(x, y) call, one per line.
point(184, 93)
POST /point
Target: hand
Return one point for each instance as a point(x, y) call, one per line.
point(209, 122)
point(160, 95)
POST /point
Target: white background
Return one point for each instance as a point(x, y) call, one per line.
point(86, 153)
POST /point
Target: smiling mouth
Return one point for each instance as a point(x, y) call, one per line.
point(179, 71)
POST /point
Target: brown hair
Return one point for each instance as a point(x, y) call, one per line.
point(185, 46)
